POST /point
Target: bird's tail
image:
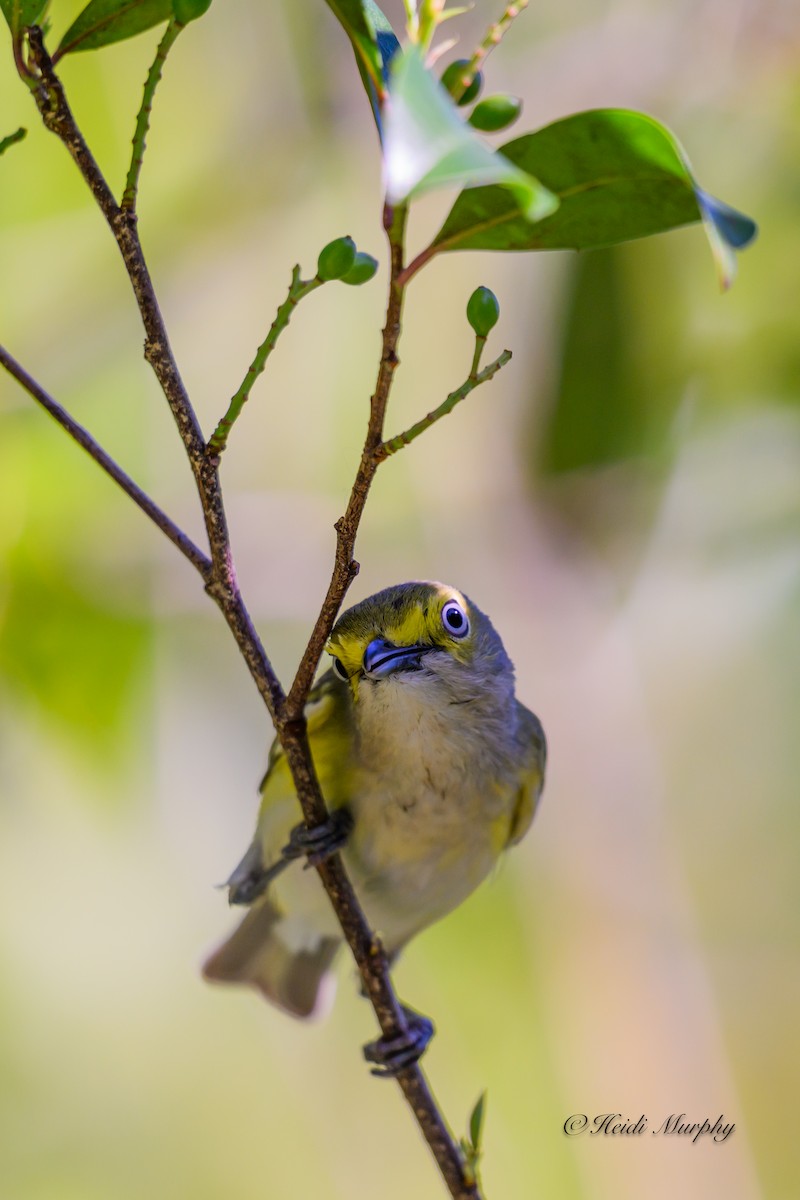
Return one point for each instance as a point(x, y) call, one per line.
point(261, 952)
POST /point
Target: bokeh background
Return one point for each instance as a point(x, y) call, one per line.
point(623, 500)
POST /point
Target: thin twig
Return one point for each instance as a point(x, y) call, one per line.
point(417, 264)
point(404, 439)
point(298, 288)
point(345, 567)
point(493, 37)
point(17, 136)
point(104, 460)
point(143, 119)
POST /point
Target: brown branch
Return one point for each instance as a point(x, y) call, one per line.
point(287, 711)
point(345, 567)
point(104, 460)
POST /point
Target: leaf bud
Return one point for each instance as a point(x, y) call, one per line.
point(336, 259)
point(363, 268)
point(451, 81)
point(495, 112)
point(483, 311)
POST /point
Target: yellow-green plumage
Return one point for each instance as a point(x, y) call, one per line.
point(440, 766)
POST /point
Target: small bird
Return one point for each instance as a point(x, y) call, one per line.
point(430, 768)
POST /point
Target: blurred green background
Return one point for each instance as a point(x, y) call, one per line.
point(623, 500)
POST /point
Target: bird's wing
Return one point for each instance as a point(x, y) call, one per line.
point(329, 716)
point(532, 777)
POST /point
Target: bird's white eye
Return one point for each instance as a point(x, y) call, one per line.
point(455, 620)
point(340, 669)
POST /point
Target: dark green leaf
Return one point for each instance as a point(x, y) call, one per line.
point(22, 13)
point(602, 435)
point(374, 44)
point(105, 21)
point(11, 139)
point(618, 174)
point(428, 145)
point(602, 410)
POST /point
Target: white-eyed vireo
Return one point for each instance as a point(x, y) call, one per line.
point(430, 767)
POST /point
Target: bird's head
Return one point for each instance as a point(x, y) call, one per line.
point(420, 634)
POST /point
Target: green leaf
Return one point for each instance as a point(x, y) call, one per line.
point(11, 139)
point(374, 44)
point(22, 13)
point(428, 145)
point(476, 1121)
point(66, 651)
point(103, 22)
point(618, 174)
point(604, 407)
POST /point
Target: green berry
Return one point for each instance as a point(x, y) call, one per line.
point(451, 80)
point(363, 268)
point(495, 112)
point(189, 10)
point(336, 259)
point(483, 311)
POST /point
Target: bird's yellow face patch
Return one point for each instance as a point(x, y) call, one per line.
point(411, 614)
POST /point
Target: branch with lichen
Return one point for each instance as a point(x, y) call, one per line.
point(143, 117)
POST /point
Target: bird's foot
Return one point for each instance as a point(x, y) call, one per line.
point(391, 1055)
point(251, 886)
point(319, 843)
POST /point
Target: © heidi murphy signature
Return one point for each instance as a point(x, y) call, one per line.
point(611, 1124)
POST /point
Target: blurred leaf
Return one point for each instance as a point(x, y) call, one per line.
point(67, 651)
point(598, 414)
point(471, 1146)
point(21, 13)
point(476, 1121)
point(374, 44)
point(727, 231)
point(11, 139)
point(618, 174)
point(103, 22)
point(428, 145)
point(605, 436)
